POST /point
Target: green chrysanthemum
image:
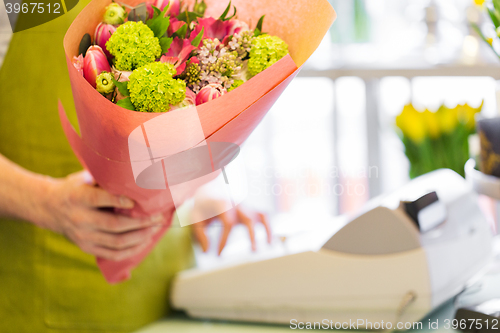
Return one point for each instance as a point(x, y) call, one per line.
point(266, 50)
point(153, 89)
point(236, 84)
point(133, 45)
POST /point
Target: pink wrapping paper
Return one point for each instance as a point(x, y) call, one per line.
point(105, 127)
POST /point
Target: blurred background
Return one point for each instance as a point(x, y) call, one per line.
point(331, 141)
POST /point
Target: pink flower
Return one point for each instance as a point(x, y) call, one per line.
point(210, 92)
point(149, 8)
point(218, 29)
point(178, 54)
point(173, 10)
point(213, 28)
point(78, 63)
point(102, 34)
point(120, 76)
point(189, 101)
point(178, 65)
point(94, 63)
point(174, 26)
point(236, 26)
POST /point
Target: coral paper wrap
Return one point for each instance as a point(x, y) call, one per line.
point(105, 127)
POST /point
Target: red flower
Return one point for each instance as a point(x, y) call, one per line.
point(218, 29)
point(94, 63)
point(173, 10)
point(178, 54)
point(102, 33)
point(78, 63)
point(236, 26)
point(213, 28)
point(175, 25)
point(210, 92)
point(178, 65)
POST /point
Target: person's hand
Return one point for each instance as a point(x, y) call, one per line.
point(229, 219)
point(76, 208)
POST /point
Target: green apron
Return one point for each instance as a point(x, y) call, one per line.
point(47, 284)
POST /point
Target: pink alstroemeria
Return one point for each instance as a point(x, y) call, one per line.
point(175, 25)
point(178, 54)
point(78, 63)
point(236, 27)
point(178, 65)
point(102, 33)
point(120, 76)
point(189, 101)
point(173, 10)
point(210, 92)
point(213, 28)
point(218, 29)
point(94, 63)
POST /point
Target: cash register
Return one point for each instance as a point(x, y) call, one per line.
point(404, 255)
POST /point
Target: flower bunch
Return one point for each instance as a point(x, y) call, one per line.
point(163, 55)
point(435, 140)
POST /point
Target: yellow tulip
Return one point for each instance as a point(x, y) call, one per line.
point(432, 123)
point(447, 118)
point(411, 123)
point(467, 114)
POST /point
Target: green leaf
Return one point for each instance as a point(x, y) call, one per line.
point(226, 11)
point(159, 25)
point(157, 12)
point(480, 33)
point(224, 17)
point(196, 42)
point(181, 32)
point(258, 29)
point(122, 87)
point(232, 16)
point(126, 103)
point(494, 18)
point(188, 17)
point(165, 43)
point(496, 5)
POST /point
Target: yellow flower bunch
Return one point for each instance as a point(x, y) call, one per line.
point(435, 140)
point(412, 124)
point(417, 126)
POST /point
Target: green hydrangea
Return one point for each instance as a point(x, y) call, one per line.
point(133, 45)
point(266, 50)
point(235, 85)
point(153, 89)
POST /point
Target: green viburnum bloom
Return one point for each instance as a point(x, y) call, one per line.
point(235, 85)
point(115, 14)
point(104, 83)
point(266, 50)
point(134, 45)
point(153, 89)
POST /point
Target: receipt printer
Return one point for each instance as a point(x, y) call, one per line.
point(403, 256)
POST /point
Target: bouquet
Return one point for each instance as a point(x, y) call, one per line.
point(159, 80)
point(162, 57)
point(435, 140)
